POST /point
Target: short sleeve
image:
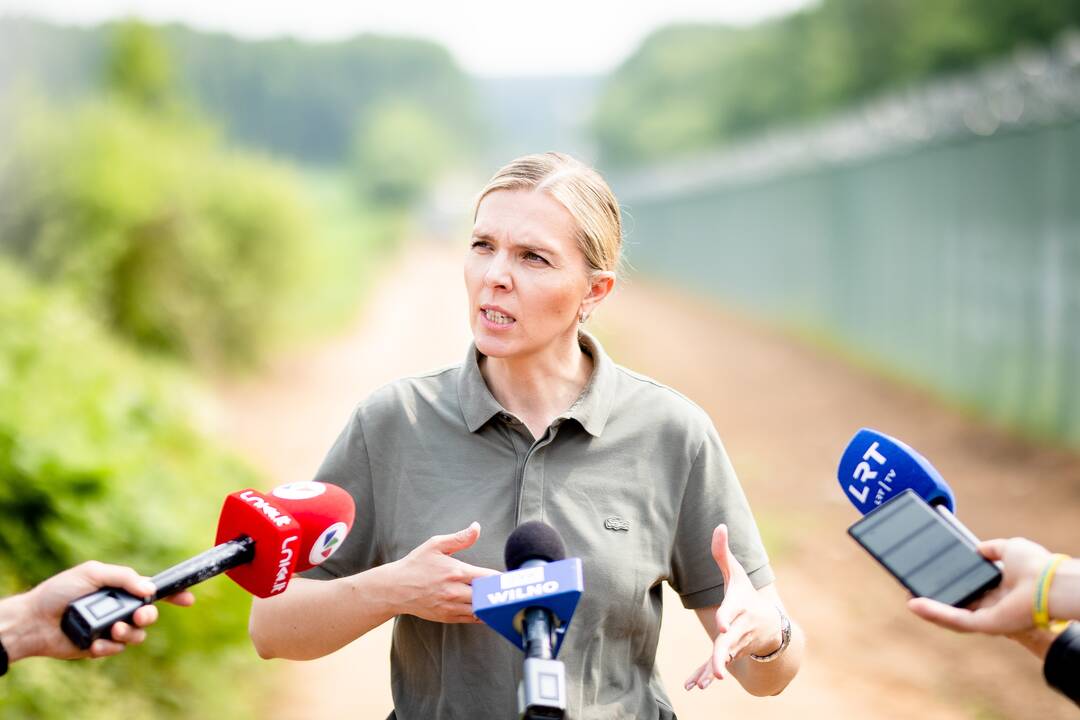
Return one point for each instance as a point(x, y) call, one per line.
point(347, 465)
point(712, 496)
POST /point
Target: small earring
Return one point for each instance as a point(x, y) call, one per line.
point(582, 317)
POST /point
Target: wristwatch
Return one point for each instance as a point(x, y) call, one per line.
point(3, 659)
point(785, 634)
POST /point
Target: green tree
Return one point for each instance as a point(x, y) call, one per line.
point(138, 68)
point(398, 152)
point(694, 86)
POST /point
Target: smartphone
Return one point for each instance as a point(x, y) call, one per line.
point(925, 551)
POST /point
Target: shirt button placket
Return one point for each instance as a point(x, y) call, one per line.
point(531, 495)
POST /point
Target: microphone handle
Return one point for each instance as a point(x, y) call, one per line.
point(203, 566)
point(959, 526)
point(538, 633)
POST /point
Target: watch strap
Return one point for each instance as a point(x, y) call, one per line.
point(785, 640)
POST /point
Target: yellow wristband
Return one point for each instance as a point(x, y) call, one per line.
point(1040, 611)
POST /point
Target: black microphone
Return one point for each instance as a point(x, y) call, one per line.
point(542, 693)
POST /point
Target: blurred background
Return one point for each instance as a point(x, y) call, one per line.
point(221, 225)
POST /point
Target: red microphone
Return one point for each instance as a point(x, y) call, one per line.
point(261, 541)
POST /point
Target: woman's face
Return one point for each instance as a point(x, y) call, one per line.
point(526, 277)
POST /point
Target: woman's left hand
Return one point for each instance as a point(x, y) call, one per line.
point(745, 622)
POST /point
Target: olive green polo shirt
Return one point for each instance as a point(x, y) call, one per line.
point(632, 475)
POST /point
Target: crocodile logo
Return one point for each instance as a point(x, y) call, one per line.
point(616, 523)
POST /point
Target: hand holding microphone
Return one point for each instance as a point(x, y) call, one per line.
point(30, 622)
point(1010, 608)
point(262, 540)
point(999, 587)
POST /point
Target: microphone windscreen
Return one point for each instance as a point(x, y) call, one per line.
point(533, 540)
point(325, 513)
point(876, 468)
point(275, 532)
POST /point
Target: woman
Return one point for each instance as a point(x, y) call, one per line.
point(537, 424)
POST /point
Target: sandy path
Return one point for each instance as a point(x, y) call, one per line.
point(785, 412)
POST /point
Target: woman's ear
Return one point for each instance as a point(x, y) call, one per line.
point(601, 284)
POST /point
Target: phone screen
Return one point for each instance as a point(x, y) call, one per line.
point(924, 551)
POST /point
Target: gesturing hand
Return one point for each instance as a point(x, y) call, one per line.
point(434, 586)
point(1004, 610)
point(744, 623)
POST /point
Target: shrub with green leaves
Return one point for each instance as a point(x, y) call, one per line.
point(175, 243)
point(99, 459)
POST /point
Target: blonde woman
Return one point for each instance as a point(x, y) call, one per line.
point(538, 423)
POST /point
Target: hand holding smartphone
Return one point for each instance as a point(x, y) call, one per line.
point(925, 551)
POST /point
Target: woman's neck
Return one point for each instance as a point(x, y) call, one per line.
point(539, 387)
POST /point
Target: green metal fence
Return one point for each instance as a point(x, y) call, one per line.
point(945, 247)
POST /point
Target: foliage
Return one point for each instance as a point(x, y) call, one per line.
point(694, 86)
point(99, 460)
point(138, 67)
point(397, 153)
point(176, 244)
point(290, 98)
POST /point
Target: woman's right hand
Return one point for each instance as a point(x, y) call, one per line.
point(432, 585)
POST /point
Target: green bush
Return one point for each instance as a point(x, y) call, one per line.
point(168, 239)
point(99, 460)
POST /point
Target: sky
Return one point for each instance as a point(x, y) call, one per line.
point(487, 37)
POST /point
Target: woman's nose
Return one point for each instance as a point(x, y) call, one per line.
point(498, 272)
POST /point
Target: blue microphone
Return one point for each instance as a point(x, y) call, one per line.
point(531, 606)
point(875, 468)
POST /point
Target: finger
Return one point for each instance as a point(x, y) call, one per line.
point(124, 633)
point(456, 542)
point(719, 660)
point(696, 677)
point(146, 615)
point(105, 575)
point(457, 596)
point(183, 599)
point(691, 681)
point(705, 677)
point(472, 572)
point(104, 648)
point(724, 649)
point(993, 550)
point(943, 615)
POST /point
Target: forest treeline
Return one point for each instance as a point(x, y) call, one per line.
point(307, 102)
point(690, 87)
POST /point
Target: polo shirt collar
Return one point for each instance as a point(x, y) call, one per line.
point(591, 409)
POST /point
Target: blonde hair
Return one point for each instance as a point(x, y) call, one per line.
point(579, 189)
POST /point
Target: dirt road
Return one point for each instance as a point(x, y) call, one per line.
point(785, 411)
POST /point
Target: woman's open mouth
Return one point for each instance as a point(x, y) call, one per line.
point(496, 319)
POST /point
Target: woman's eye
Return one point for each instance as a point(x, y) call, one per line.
point(480, 244)
point(533, 257)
